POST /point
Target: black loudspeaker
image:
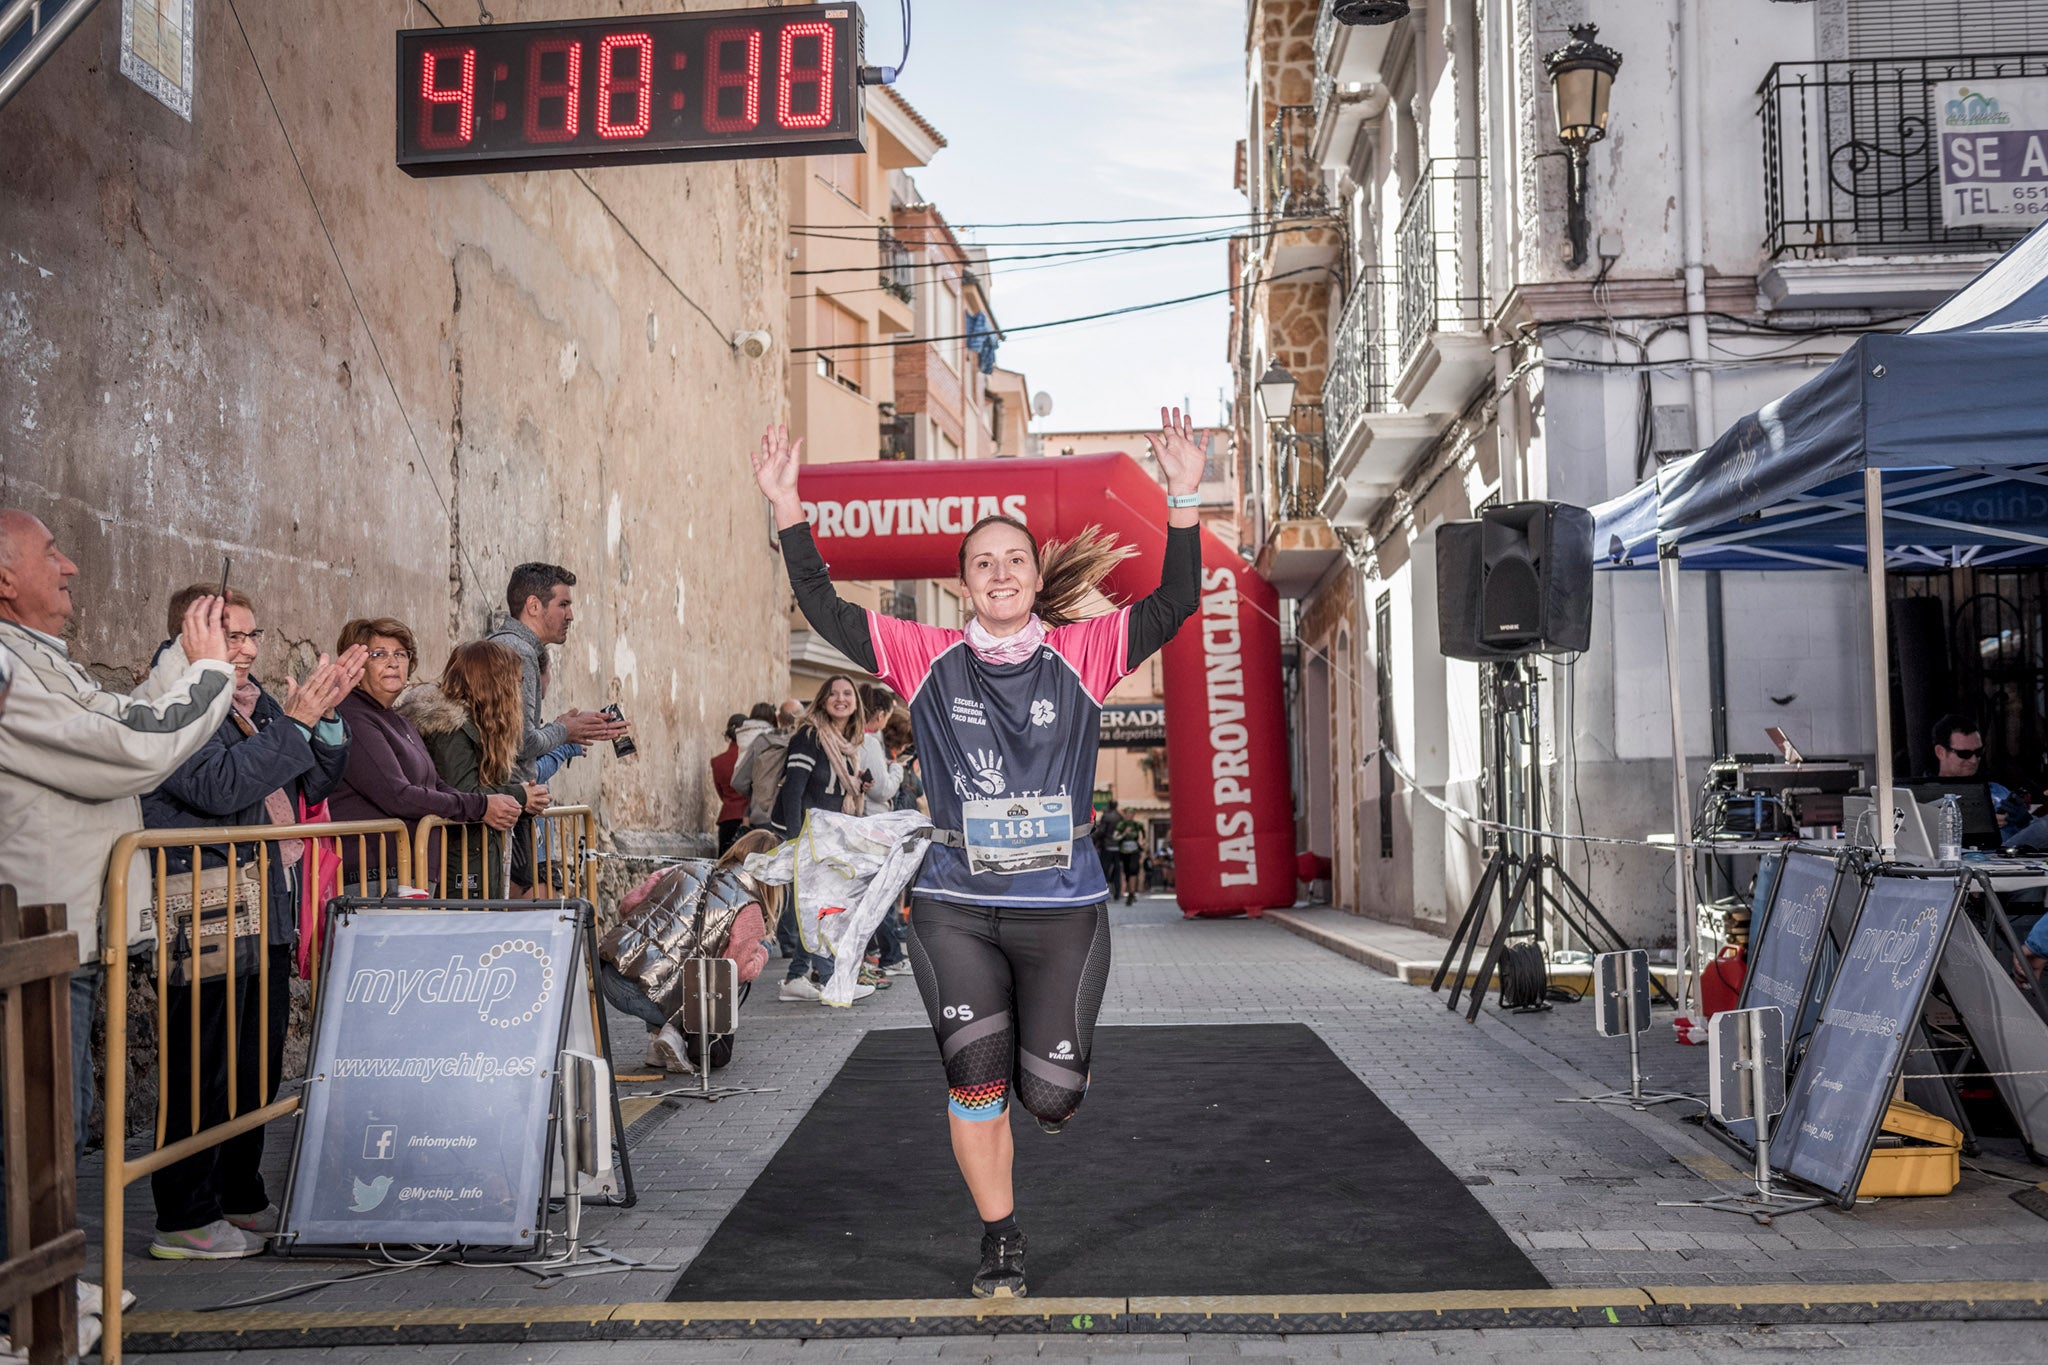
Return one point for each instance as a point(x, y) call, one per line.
point(1458, 573)
point(1517, 581)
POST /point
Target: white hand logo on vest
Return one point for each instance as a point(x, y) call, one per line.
point(988, 771)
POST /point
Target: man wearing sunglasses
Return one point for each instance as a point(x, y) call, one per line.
point(1958, 749)
point(1959, 757)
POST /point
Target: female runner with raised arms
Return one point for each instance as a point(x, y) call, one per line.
point(1009, 929)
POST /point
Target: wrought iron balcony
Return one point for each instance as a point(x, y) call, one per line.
point(1294, 187)
point(1301, 464)
point(1850, 155)
point(1326, 43)
point(1431, 293)
point(899, 266)
point(897, 603)
point(1358, 382)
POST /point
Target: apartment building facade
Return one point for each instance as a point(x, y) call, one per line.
point(892, 340)
point(1764, 192)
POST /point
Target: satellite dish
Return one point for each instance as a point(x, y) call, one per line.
point(1041, 404)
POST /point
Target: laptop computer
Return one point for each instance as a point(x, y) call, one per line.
point(1914, 842)
point(1980, 819)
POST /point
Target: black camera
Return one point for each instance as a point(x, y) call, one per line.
point(623, 746)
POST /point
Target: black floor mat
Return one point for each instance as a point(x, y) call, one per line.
point(1241, 1159)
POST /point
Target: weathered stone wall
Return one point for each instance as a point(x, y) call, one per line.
point(478, 371)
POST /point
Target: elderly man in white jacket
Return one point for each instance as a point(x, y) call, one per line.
point(74, 758)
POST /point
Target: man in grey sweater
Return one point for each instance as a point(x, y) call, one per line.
point(541, 612)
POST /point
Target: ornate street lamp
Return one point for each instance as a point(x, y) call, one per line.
point(1276, 393)
point(1581, 76)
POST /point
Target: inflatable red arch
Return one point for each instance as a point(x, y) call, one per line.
point(1226, 735)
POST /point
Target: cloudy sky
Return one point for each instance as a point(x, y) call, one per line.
point(1071, 109)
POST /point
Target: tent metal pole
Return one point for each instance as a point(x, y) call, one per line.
point(1687, 931)
point(1880, 662)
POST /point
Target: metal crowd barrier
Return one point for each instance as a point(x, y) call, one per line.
point(210, 906)
point(561, 842)
point(45, 1246)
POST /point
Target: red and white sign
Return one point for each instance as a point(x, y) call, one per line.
point(1226, 730)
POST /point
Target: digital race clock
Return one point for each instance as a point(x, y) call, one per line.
point(717, 84)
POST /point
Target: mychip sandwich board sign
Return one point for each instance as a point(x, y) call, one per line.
point(1836, 1101)
point(429, 1105)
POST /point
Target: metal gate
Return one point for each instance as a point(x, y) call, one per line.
point(1997, 659)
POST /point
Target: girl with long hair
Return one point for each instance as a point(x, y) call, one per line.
point(822, 772)
point(472, 722)
point(1009, 932)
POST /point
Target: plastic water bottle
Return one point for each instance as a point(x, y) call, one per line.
point(1948, 839)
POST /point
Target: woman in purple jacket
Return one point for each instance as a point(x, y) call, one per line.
point(390, 774)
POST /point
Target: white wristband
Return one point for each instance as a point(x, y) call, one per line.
point(1183, 500)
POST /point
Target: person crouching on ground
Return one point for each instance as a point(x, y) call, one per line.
point(471, 722)
point(659, 929)
point(390, 774)
point(264, 759)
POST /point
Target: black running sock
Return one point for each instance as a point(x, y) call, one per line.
point(1002, 1227)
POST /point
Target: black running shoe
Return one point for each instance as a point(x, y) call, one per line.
point(1002, 1267)
point(1046, 1125)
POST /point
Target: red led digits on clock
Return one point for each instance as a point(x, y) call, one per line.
point(639, 85)
point(568, 89)
point(793, 75)
point(434, 98)
point(717, 80)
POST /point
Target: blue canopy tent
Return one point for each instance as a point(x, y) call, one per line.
point(1927, 447)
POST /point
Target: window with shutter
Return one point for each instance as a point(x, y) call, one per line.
point(1911, 28)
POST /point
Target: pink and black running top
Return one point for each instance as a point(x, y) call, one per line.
point(989, 730)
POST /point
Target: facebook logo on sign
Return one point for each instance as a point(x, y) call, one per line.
point(380, 1142)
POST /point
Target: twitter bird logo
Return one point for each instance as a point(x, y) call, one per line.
point(369, 1196)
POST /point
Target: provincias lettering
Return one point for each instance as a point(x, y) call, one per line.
point(863, 517)
point(1229, 737)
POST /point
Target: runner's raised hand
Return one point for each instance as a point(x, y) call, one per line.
point(775, 471)
point(1180, 456)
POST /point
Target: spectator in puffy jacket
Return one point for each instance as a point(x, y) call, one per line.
point(262, 761)
point(390, 775)
point(471, 723)
point(640, 960)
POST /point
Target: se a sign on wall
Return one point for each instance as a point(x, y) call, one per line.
point(714, 85)
point(1994, 151)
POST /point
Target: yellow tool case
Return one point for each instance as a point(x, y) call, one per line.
point(1916, 1153)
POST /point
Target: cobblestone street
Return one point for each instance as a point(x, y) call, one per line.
point(1576, 1185)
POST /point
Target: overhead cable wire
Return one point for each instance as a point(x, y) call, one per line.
point(1093, 251)
point(1084, 222)
point(908, 235)
point(724, 333)
point(1010, 274)
point(426, 466)
point(1063, 322)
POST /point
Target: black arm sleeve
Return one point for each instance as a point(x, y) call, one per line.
point(800, 772)
point(843, 624)
point(1155, 620)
